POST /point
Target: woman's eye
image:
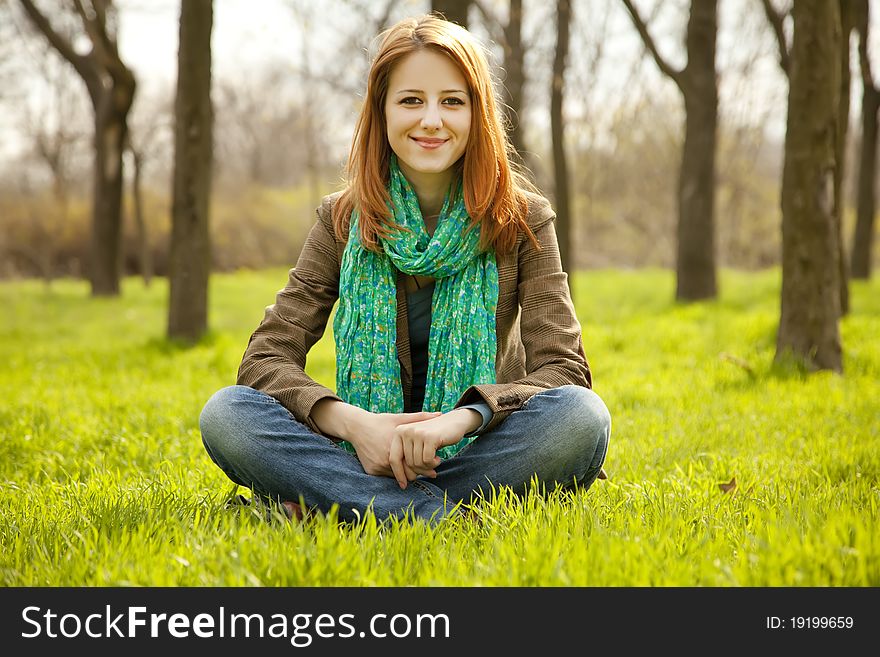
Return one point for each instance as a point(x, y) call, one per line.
point(415, 100)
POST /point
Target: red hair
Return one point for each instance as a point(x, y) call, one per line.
point(495, 191)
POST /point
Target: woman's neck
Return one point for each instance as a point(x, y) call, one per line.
point(430, 189)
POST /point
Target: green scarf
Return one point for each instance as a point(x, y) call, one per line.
point(461, 346)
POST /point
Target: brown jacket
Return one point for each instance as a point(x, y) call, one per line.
point(539, 337)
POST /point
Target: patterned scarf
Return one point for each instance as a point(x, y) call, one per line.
point(461, 346)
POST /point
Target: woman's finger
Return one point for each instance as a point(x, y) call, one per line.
point(411, 474)
point(421, 416)
point(428, 453)
point(395, 459)
point(411, 454)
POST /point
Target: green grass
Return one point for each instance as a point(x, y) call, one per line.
point(103, 479)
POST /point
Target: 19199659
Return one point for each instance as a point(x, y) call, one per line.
point(810, 623)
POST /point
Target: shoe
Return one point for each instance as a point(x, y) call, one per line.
point(236, 501)
point(290, 510)
point(293, 511)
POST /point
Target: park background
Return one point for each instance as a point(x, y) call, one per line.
point(743, 384)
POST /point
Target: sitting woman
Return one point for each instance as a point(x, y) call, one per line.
point(459, 359)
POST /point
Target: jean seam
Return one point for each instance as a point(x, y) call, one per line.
point(594, 471)
point(425, 489)
point(263, 398)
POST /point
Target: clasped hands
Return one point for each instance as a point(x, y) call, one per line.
point(404, 445)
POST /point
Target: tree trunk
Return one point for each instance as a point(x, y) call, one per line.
point(695, 255)
point(846, 23)
point(810, 299)
point(557, 130)
point(105, 258)
point(695, 261)
point(454, 10)
point(864, 230)
point(143, 238)
point(111, 87)
point(312, 150)
point(865, 208)
point(514, 58)
point(509, 35)
point(190, 256)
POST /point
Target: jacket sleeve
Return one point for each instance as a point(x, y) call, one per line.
point(550, 331)
point(275, 359)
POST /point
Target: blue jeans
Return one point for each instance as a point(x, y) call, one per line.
point(560, 435)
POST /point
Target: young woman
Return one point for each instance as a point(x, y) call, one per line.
point(459, 358)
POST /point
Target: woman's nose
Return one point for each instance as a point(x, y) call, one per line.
point(431, 119)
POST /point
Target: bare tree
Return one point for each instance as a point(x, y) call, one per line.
point(8, 46)
point(590, 173)
point(509, 35)
point(111, 87)
point(311, 119)
point(746, 231)
point(260, 130)
point(864, 229)
point(562, 194)
point(190, 258)
point(695, 256)
point(149, 143)
point(346, 72)
point(810, 299)
point(57, 135)
point(145, 259)
point(777, 18)
point(847, 25)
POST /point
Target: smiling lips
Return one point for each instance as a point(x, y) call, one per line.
point(429, 143)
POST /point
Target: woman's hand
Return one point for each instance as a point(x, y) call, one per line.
point(373, 436)
point(415, 444)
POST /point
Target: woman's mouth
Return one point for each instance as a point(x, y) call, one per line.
point(429, 143)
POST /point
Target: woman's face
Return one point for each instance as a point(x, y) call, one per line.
point(427, 113)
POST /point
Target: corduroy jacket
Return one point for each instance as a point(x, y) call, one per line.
point(539, 337)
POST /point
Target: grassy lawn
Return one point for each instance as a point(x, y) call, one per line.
point(104, 481)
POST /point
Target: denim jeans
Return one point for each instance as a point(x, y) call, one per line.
point(559, 436)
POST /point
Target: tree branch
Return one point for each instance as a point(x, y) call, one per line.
point(662, 64)
point(90, 24)
point(100, 9)
point(81, 64)
point(382, 23)
point(96, 33)
point(493, 25)
point(863, 22)
point(331, 81)
point(104, 48)
point(776, 19)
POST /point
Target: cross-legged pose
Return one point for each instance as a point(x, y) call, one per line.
point(459, 359)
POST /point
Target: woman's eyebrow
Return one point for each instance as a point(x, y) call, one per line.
point(421, 91)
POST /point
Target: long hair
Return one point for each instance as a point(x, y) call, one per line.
point(495, 190)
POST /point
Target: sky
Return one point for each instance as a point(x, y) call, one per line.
point(248, 33)
point(242, 36)
point(245, 35)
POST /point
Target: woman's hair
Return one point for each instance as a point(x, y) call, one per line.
point(494, 188)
